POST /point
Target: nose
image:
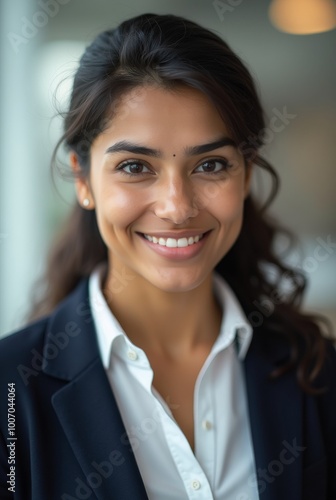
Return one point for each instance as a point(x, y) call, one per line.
point(176, 200)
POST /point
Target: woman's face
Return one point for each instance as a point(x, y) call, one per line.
point(168, 186)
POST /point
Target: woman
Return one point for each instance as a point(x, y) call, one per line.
point(169, 363)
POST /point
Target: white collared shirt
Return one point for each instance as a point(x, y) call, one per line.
point(222, 466)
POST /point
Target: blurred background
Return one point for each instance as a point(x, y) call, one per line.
point(41, 41)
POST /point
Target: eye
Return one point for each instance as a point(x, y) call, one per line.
point(213, 166)
point(133, 167)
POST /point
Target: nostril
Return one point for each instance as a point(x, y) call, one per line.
point(177, 210)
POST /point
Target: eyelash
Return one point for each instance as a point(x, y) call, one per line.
point(225, 163)
point(121, 167)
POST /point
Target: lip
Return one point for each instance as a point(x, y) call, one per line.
point(177, 234)
point(176, 253)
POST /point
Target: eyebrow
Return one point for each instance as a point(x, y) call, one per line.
point(130, 147)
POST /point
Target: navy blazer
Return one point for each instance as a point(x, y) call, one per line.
point(71, 442)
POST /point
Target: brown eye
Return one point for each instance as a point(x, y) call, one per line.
point(133, 168)
point(213, 166)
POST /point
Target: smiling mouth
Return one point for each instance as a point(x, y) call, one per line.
point(174, 242)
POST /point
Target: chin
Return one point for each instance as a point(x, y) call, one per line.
point(179, 280)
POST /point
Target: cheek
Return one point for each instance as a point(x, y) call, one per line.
point(225, 202)
point(117, 207)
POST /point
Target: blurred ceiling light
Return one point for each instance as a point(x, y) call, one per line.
point(303, 17)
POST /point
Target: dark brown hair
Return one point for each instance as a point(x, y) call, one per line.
point(170, 51)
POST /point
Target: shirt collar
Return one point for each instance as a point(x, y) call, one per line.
point(235, 327)
point(107, 326)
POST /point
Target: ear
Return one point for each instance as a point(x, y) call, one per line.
point(83, 189)
point(248, 178)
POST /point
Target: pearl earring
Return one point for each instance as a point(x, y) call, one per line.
point(86, 202)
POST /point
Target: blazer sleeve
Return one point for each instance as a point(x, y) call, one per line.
point(327, 407)
point(5, 494)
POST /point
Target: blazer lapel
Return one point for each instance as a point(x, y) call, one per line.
point(86, 407)
point(275, 409)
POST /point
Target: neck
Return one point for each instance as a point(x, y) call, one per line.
point(164, 322)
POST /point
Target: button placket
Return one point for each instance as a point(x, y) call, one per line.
point(191, 472)
point(195, 484)
point(207, 425)
point(205, 422)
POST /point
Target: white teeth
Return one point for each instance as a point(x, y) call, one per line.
point(182, 242)
point(172, 242)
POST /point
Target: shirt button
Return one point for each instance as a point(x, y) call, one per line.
point(195, 484)
point(132, 355)
point(207, 426)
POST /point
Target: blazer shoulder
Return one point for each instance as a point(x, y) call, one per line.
point(17, 347)
point(327, 375)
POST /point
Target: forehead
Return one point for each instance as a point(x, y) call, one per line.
point(162, 117)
